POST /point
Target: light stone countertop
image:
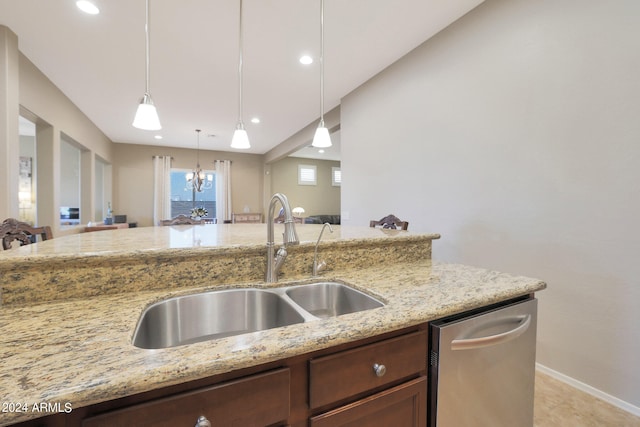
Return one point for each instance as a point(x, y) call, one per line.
point(109, 262)
point(80, 351)
point(143, 240)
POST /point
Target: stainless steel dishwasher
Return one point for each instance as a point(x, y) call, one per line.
point(482, 367)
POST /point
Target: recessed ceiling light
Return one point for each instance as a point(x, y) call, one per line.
point(306, 60)
point(158, 137)
point(321, 151)
point(87, 7)
point(255, 120)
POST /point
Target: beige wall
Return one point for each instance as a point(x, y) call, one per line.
point(9, 142)
point(515, 134)
point(133, 178)
point(42, 98)
point(322, 198)
point(55, 115)
point(27, 91)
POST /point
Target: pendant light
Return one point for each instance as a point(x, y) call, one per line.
point(240, 138)
point(197, 179)
point(146, 116)
point(321, 139)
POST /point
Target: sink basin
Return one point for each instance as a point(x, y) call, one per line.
point(331, 299)
point(217, 314)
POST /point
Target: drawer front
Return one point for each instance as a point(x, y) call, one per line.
point(348, 373)
point(258, 400)
point(401, 406)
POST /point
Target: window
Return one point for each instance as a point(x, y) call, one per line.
point(306, 175)
point(184, 197)
point(336, 177)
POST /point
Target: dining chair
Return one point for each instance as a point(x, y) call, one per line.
point(14, 230)
point(390, 221)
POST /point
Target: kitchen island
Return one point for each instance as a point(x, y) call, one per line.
point(68, 324)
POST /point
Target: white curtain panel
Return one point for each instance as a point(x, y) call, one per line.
point(161, 188)
point(223, 190)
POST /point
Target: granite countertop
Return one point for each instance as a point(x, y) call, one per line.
point(79, 352)
point(150, 240)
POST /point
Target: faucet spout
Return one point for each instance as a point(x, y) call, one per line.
point(289, 237)
point(317, 267)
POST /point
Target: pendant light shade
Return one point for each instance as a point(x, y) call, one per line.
point(321, 139)
point(146, 116)
point(240, 138)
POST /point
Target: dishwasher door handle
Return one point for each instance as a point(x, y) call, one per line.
point(474, 343)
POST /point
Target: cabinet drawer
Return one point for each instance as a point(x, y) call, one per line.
point(348, 373)
point(258, 400)
point(401, 406)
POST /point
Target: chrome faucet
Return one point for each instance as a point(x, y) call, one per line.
point(289, 237)
point(318, 267)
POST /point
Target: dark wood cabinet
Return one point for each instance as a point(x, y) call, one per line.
point(352, 372)
point(401, 406)
point(388, 379)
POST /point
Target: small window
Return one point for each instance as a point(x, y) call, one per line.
point(336, 177)
point(306, 175)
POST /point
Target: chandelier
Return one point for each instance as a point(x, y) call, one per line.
point(198, 180)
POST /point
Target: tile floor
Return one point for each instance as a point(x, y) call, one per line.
point(559, 405)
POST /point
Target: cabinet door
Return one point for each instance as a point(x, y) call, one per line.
point(258, 400)
point(401, 406)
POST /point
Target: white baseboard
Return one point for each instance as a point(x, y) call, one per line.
point(625, 406)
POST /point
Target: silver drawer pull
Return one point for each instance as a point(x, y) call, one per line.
point(380, 370)
point(203, 422)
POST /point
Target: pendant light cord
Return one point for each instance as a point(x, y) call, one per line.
point(240, 67)
point(147, 48)
point(321, 62)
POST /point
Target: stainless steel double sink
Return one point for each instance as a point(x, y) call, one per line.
point(216, 314)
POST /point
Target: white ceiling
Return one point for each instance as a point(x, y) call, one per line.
point(98, 60)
